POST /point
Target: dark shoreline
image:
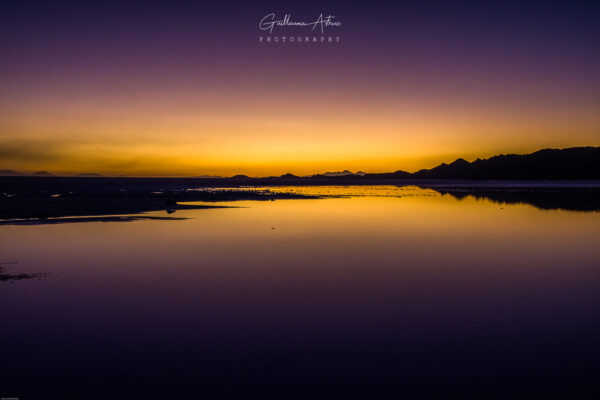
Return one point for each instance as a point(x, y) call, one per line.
point(99, 218)
point(37, 184)
point(26, 198)
point(40, 198)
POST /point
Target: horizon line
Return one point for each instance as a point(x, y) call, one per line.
point(344, 172)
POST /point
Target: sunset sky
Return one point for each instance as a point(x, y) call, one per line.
point(185, 89)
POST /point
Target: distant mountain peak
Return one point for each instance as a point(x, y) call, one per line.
point(342, 173)
point(89, 175)
point(42, 173)
point(570, 163)
point(459, 161)
point(9, 172)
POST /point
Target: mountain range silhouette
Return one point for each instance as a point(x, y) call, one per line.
point(570, 163)
point(574, 163)
point(565, 179)
point(555, 164)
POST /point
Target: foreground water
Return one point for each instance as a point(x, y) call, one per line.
point(383, 289)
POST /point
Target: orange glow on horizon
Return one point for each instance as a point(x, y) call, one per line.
point(189, 135)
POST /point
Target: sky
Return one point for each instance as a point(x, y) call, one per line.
point(187, 88)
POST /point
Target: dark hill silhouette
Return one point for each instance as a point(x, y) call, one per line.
point(342, 173)
point(575, 163)
point(571, 163)
point(89, 175)
point(9, 172)
point(390, 175)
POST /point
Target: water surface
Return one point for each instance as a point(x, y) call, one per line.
point(372, 289)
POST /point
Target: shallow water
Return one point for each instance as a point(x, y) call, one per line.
point(383, 288)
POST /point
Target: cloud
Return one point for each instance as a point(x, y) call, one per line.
point(34, 151)
point(74, 156)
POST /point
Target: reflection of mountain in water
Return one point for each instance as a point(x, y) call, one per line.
point(555, 198)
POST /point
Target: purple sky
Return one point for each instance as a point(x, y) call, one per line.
point(165, 88)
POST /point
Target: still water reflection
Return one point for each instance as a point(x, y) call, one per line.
point(381, 289)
